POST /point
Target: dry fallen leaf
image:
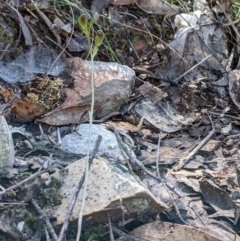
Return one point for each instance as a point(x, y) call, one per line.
point(7, 94)
point(26, 110)
point(70, 114)
point(158, 231)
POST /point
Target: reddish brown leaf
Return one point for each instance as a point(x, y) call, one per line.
point(26, 110)
point(7, 94)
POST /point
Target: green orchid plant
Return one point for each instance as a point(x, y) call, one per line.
point(94, 42)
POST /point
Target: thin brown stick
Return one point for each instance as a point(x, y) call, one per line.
point(195, 66)
point(48, 22)
point(182, 162)
point(64, 49)
point(26, 32)
point(45, 219)
point(5, 50)
point(229, 19)
point(22, 182)
point(46, 234)
point(34, 32)
point(225, 115)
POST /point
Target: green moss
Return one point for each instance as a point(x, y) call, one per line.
point(55, 183)
point(31, 222)
point(95, 232)
point(5, 38)
point(20, 214)
point(50, 197)
point(133, 205)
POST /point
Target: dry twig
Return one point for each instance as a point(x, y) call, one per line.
point(22, 182)
point(195, 66)
point(64, 49)
point(48, 22)
point(110, 228)
point(45, 219)
point(178, 166)
point(26, 32)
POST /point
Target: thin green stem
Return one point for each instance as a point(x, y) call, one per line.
point(88, 151)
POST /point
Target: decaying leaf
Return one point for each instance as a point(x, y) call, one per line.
point(26, 110)
point(215, 196)
point(162, 116)
point(7, 94)
point(72, 110)
point(168, 232)
point(64, 116)
point(153, 93)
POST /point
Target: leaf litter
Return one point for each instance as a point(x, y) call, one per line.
point(179, 116)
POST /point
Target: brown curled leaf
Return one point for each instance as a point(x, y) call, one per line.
point(7, 94)
point(26, 110)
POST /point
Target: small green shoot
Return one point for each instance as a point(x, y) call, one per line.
point(97, 41)
point(86, 25)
